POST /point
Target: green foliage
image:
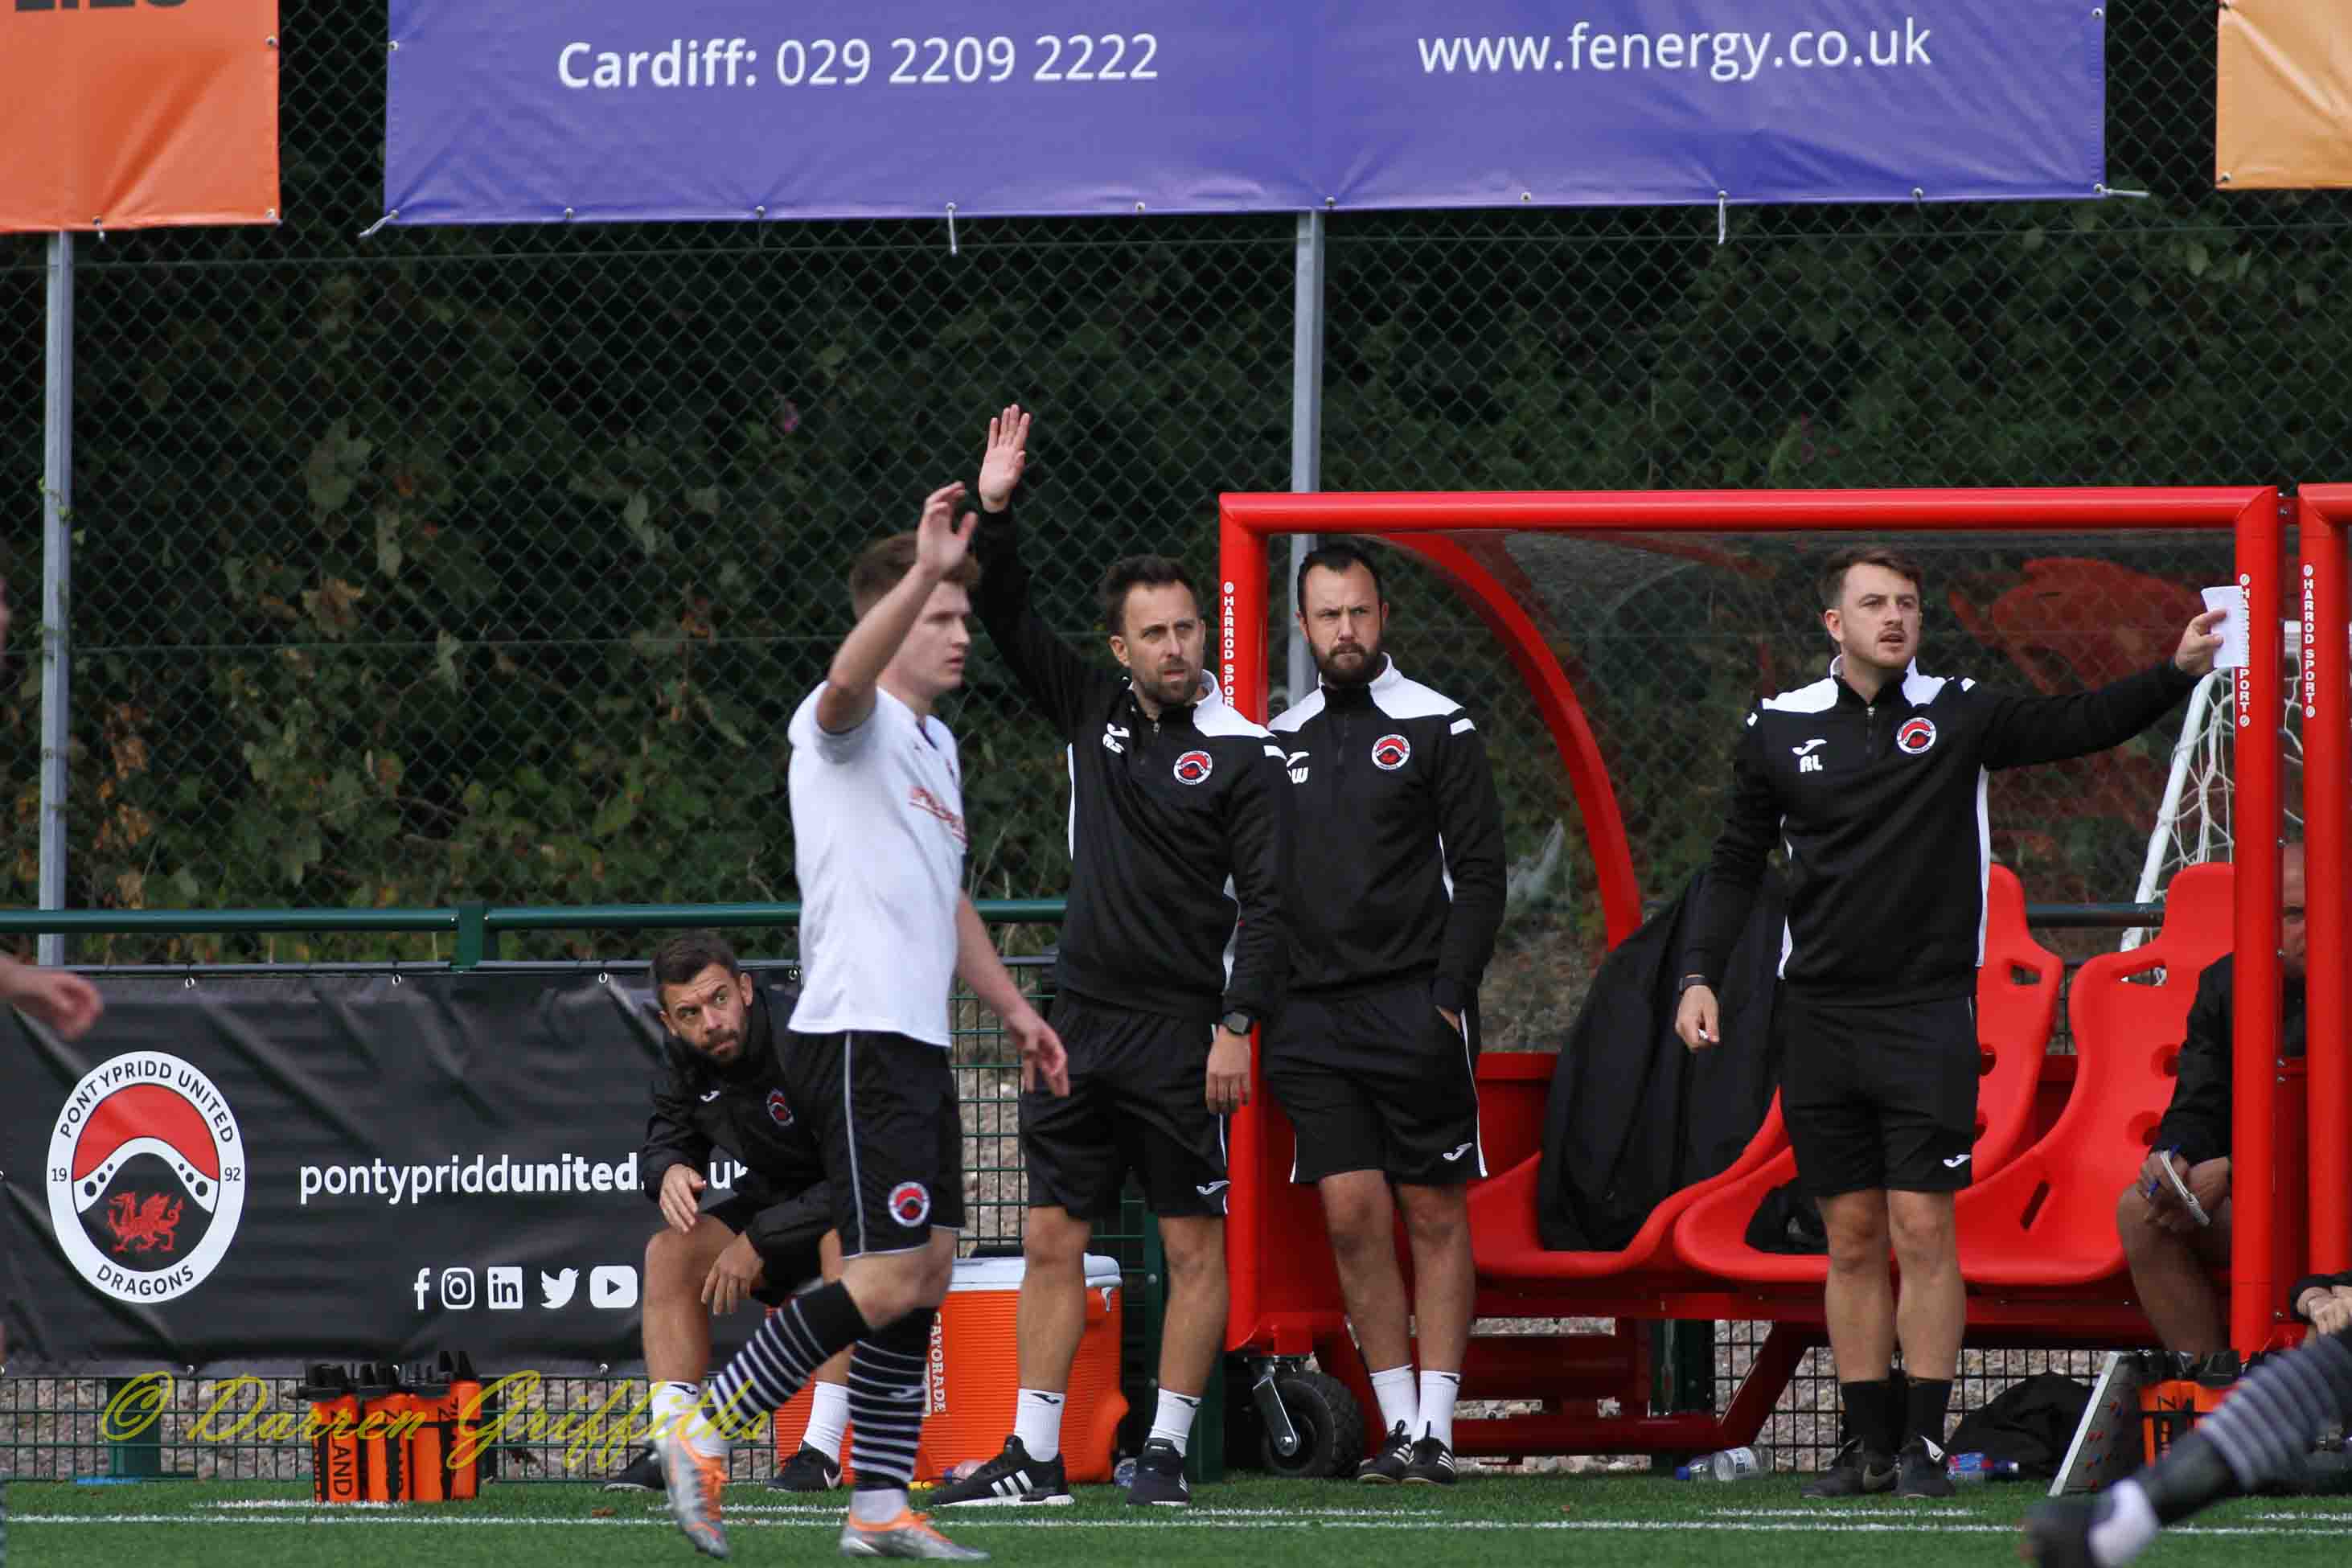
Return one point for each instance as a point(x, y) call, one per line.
point(490, 563)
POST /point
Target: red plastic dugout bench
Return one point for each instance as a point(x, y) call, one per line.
point(1285, 1295)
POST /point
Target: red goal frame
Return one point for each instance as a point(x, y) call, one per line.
point(1268, 1311)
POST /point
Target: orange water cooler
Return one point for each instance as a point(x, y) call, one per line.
point(974, 1373)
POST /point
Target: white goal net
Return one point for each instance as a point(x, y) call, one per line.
point(2193, 821)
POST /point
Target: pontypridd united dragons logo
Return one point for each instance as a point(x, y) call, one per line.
point(146, 1177)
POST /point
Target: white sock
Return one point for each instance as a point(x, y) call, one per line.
point(1398, 1405)
point(1437, 1391)
point(1037, 1421)
point(1173, 1418)
point(876, 1505)
point(2128, 1529)
point(671, 1400)
point(828, 1419)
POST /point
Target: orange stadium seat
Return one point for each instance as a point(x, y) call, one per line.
point(2048, 1217)
point(1506, 1246)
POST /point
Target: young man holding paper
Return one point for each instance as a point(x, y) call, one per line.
point(1873, 778)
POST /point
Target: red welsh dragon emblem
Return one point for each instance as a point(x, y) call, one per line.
point(142, 1225)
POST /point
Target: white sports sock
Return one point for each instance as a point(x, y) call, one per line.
point(828, 1419)
point(702, 1430)
point(876, 1505)
point(671, 1400)
point(2130, 1526)
point(1037, 1421)
point(1173, 1418)
point(1400, 1406)
point(1437, 1391)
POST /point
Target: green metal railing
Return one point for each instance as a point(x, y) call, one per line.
point(474, 927)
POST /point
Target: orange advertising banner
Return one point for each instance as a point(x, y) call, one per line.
point(138, 113)
point(2283, 100)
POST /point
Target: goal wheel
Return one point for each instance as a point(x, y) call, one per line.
point(1330, 1423)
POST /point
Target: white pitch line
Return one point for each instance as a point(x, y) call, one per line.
point(2319, 1526)
point(296, 1508)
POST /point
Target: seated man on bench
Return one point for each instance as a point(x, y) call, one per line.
point(721, 1088)
point(2171, 1252)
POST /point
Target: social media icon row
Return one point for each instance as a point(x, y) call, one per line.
point(612, 1288)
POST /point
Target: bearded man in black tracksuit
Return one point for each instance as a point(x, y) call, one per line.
point(721, 1088)
point(1178, 844)
point(1874, 779)
point(1396, 893)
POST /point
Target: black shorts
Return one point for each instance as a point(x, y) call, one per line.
point(883, 1108)
point(1378, 1081)
point(798, 1259)
point(1137, 1102)
point(1878, 1096)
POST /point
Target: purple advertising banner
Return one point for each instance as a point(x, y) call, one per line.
point(603, 111)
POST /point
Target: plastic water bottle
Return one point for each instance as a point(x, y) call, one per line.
point(1970, 1469)
point(1729, 1464)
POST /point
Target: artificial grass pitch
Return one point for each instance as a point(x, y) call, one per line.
point(1500, 1522)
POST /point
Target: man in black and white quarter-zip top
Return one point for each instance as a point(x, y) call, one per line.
point(1396, 893)
point(1171, 952)
point(1873, 778)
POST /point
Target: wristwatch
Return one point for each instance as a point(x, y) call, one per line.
point(1236, 1022)
point(1687, 981)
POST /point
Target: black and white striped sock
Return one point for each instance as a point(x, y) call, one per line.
point(785, 1353)
point(885, 1402)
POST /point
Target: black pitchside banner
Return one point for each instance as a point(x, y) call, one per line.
point(248, 1173)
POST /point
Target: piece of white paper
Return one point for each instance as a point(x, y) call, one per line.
point(2187, 1199)
point(2231, 602)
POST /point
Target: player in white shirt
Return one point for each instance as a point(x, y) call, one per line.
point(878, 831)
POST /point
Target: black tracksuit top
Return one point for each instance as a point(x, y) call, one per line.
point(1178, 827)
point(699, 1106)
point(1881, 808)
point(1400, 841)
point(2199, 1122)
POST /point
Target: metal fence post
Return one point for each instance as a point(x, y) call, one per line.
point(1306, 426)
point(476, 940)
point(134, 1457)
point(57, 548)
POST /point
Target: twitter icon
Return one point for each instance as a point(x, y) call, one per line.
point(555, 1289)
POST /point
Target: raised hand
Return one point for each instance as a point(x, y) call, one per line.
point(1001, 460)
point(2199, 643)
point(940, 541)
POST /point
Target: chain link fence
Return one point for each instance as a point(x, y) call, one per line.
point(489, 564)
